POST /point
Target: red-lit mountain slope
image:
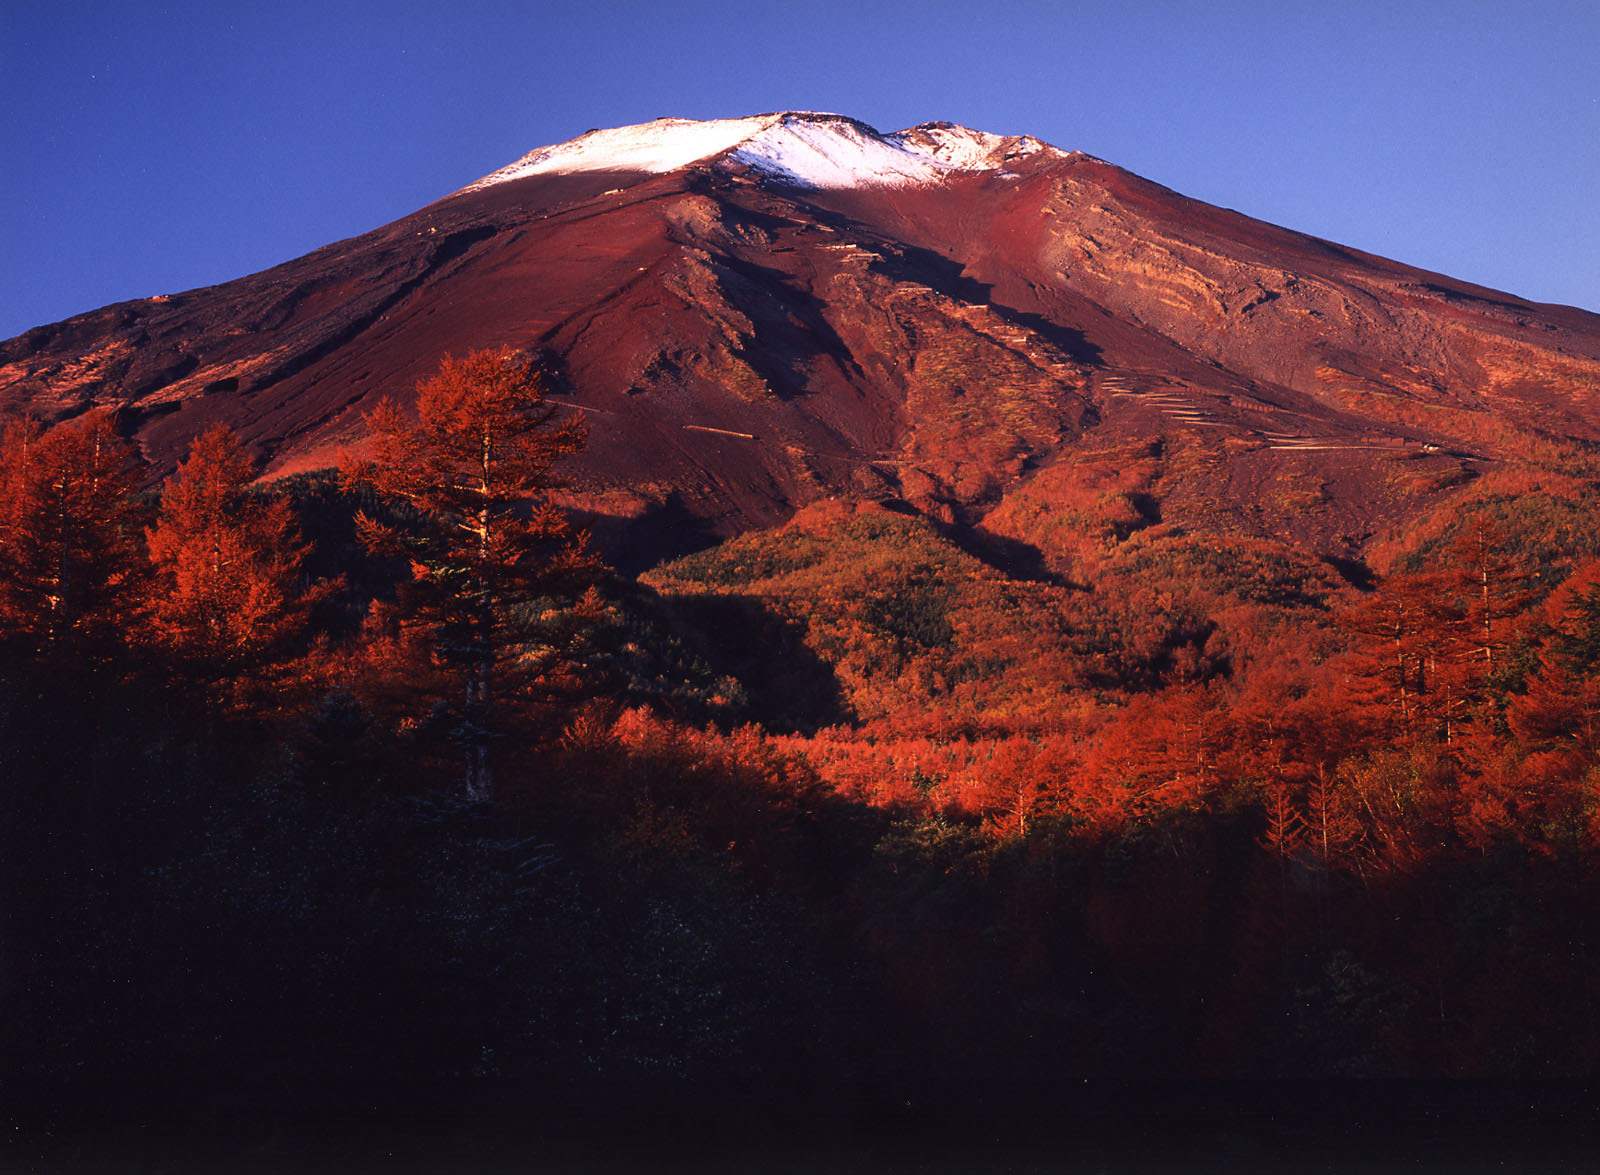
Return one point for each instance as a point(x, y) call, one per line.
point(758, 313)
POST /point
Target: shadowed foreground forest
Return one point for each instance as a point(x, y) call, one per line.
point(373, 800)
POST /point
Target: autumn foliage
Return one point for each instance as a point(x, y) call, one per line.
point(1159, 801)
point(69, 568)
point(228, 597)
point(486, 548)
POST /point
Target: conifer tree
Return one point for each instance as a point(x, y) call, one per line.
point(227, 594)
point(1407, 635)
point(1493, 585)
point(473, 468)
point(67, 550)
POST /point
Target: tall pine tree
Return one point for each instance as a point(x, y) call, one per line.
point(485, 544)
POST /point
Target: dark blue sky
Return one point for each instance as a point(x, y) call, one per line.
point(151, 148)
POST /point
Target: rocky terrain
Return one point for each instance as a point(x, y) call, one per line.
point(757, 314)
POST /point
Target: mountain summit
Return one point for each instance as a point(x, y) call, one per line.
point(802, 148)
point(757, 313)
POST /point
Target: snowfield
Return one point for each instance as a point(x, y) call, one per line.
point(796, 147)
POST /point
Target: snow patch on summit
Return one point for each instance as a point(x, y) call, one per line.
point(953, 146)
point(663, 145)
point(799, 148)
point(835, 153)
point(964, 148)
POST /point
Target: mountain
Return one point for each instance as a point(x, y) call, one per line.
point(759, 313)
point(1145, 644)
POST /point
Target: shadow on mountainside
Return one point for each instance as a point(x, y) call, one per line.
point(790, 325)
point(663, 533)
point(949, 278)
point(790, 689)
point(1009, 556)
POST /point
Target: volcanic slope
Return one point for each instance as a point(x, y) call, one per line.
point(754, 314)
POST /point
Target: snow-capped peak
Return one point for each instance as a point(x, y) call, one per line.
point(663, 145)
point(964, 148)
point(797, 147)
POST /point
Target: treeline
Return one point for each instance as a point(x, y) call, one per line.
point(248, 741)
point(438, 585)
point(1288, 814)
point(377, 786)
point(203, 585)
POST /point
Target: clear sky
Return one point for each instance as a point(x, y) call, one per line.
point(154, 147)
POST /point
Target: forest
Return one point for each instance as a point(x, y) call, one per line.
point(376, 792)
